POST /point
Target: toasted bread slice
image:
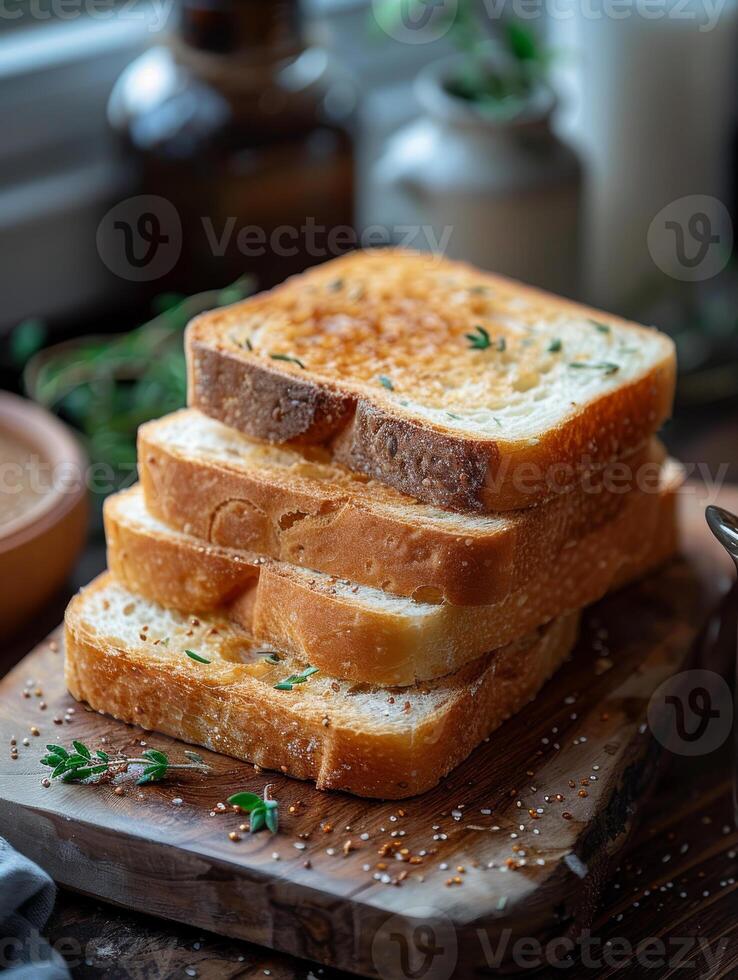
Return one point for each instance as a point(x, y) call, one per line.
point(458, 387)
point(365, 740)
point(216, 484)
point(364, 635)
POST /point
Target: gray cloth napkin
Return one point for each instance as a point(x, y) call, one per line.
point(26, 900)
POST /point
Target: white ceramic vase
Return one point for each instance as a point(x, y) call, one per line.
point(499, 190)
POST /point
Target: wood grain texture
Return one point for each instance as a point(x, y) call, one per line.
point(143, 852)
point(675, 882)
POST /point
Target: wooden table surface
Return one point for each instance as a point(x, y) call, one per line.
point(677, 885)
point(670, 907)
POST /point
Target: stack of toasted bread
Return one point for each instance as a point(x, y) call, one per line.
point(367, 542)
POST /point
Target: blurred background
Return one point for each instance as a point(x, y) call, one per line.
point(161, 157)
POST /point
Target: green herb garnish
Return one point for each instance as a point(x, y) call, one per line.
point(289, 682)
point(72, 766)
point(337, 285)
point(501, 345)
point(598, 325)
point(555, 346)
point(386, 382)
point(196, 656)
point(479, 340)
point(264, 810)
point(606, 366)
point(106, 387)
point(288, 358)
point(247, 344)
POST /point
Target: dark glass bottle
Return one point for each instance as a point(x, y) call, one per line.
point(248, 132)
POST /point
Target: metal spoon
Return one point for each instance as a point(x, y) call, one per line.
point(724, 526)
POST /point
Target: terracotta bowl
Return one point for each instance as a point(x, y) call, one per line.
point(43, 508)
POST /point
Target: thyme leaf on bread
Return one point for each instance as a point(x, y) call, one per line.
point(196, 657)
point(80, 762)
point(555, 346)
point(479, 340)
point(288, 358)
point(608, 367)
point(264, 810)
point(289, 682)
point(598, 325)
point(385, 382)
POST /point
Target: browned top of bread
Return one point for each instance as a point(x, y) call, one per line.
point(408, 356)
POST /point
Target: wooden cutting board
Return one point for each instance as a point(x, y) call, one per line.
point(514, 843)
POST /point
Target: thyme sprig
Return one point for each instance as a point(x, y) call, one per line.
point(289, 682)
point(81, 762)
point(264, 810)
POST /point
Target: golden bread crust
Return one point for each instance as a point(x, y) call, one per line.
point(319, 365)
point(342, 527)
point(224, 707)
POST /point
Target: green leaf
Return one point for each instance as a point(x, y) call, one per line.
point(288, 682)
point(57, 750)
point(522, 42)
point(607, 367)
point(196, 656)
point(102, 755)
point(152, 774)
point(258, 819)
point(195, 757)
point(272, 817)
point(479, 340)
point(386, 382)
point(81, 773)
point(96, 770)
point(26, 340)
point(82, 749)
point(247, 801)
point(288, 358)
point(555, 346)
point(598, 325)
point(61, 768)
point(156, 756)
